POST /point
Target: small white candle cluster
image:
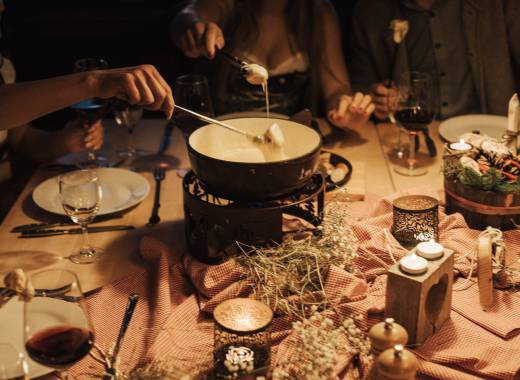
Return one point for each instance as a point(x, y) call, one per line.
point(416, 263)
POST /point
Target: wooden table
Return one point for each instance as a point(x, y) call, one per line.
point(367, 150)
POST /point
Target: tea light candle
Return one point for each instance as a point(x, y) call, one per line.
point(413, 264)
point(430, 250)
point(460, 146)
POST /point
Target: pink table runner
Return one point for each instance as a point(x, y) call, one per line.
point(173, 319)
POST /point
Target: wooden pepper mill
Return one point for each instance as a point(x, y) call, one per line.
point(396, 364)
point(387, 334)
point(421, 303)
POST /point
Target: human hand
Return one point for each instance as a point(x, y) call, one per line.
point(351, 111)
point(384, 100)
point(201, 38)
point(142, 85)
point(78, 135)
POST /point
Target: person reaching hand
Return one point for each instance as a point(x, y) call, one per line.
point(141, 85)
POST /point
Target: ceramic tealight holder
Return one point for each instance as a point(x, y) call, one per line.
point(421, 301)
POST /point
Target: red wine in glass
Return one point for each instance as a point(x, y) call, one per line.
point(414, 119)
point(60, 346)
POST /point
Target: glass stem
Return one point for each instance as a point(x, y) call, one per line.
point(130, 147)
point(86, 244)
point(411, 153)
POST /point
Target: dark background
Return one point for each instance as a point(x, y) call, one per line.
point(44, 38)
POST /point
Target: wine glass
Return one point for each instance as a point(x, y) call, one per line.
point(91, 110)
point(12, 363)
point(414, 111)
point(57, 329)
point(80, 195)
point(192, 92)
point(128, 116)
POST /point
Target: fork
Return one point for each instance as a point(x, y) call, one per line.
point(158, 174)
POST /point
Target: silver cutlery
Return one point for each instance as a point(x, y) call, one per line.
point(70, 231)
point(158, 174)
point(129, 312)
point(47, 225)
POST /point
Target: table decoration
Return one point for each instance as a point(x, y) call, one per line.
point(420, 302)
point(396, 363)
point(242, 342)
point(430, 250)
point(386, 334)
point(460, 147)
point(318, 345)
point(482, 183)
point(290, 276)
point(413, 264)
point(510, 137)
point(415, 219)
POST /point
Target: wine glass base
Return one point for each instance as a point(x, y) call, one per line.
point(86, 256)
point(415, 172)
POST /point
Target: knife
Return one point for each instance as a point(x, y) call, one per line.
point(71, 231)
point(41, 226)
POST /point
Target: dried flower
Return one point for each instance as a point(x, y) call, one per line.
point(318, 343)
point(289, 277)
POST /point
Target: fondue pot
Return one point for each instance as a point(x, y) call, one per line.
point(231, 166)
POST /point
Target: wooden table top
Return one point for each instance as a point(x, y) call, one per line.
point(367, 150)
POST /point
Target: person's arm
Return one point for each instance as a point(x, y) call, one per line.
point(343, 109)
point(22, 102)
point(197, 29)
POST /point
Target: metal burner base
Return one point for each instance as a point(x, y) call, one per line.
point(213, 225)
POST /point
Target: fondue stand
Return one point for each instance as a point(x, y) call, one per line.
point(241, 198)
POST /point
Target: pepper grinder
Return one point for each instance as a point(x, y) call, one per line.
point(396, 364)
point(387, 334)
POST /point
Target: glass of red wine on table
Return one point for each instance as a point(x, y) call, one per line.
point(57, 328)
point(414, 111)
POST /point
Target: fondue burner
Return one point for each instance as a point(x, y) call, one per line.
point(213, 225)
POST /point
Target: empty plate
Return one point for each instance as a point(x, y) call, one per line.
point(491, 125)
point(121, 189)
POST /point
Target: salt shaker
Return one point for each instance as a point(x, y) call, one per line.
point(396, 364)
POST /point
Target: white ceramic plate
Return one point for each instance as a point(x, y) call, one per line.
point(121, 189)
point(11, 320)
point(491, 125)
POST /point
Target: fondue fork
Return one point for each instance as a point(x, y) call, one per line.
point(263, 139)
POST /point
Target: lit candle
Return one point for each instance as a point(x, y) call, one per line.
point(413, 264)
point(430, 250)
point(461, 146)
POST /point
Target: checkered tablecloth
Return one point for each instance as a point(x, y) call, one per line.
point(173, 319)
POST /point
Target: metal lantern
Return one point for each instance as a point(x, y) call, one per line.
point(242, 342)
point(416, 219)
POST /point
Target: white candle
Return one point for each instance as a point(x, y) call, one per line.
point(513, 116)
point(413, 264)
point(430, 250)
point(460, 146)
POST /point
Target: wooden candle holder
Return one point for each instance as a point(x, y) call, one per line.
point(421, 303)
